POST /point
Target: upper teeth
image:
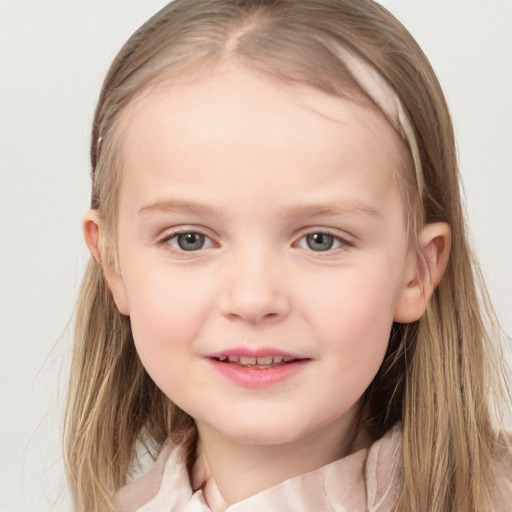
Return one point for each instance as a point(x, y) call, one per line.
point(247, 360)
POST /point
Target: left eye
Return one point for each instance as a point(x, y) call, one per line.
point(190, 241)
point(320, 242)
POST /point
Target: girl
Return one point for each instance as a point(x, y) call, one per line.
point(281, 304)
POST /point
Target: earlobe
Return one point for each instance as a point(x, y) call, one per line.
point(424, 271)
point(92, 234)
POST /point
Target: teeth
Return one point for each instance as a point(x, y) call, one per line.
point(265, 360)
point(253, 361)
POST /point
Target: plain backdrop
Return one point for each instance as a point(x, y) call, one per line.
point(53, 56)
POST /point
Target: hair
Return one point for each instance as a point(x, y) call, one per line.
point(442, 375)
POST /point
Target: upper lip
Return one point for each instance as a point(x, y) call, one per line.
point(255, 353)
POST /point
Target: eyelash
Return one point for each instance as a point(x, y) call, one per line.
point(186, 231)
point(343, 242)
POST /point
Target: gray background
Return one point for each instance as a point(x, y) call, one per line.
point(53, 56)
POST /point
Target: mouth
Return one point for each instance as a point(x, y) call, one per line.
point(257, 368)
point(258, 363)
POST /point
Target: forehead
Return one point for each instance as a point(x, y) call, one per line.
point(240, 123)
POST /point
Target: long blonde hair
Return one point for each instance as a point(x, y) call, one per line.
point(440, 374)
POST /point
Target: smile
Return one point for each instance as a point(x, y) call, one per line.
point(254, 369)
point(262, 363)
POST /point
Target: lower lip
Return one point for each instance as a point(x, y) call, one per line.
point(258, 377)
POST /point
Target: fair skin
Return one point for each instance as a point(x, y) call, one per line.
point(256, 219)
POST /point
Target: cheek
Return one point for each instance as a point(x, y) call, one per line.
point(357, 300)
point(165, 315)
point(165, 325)
point(352, 322)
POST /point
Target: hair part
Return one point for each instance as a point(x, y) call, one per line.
point(437, 373)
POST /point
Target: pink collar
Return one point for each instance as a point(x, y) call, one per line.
point(364, 481)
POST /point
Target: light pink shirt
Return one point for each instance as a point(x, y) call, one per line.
point(364, 481)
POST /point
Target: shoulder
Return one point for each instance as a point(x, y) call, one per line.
point(382, 470)
point(143, 489)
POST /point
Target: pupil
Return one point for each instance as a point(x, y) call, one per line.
point(190, 241)
point(320, 241)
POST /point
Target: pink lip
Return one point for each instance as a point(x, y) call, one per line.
point(256, 377)
point(248, 352)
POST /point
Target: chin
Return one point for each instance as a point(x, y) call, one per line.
point(266, 433)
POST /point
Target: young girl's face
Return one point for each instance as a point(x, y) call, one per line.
point(262, 252)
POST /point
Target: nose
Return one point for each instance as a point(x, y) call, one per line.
point(255, 290)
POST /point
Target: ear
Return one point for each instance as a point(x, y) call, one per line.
point(423, 272)
point(92, 233)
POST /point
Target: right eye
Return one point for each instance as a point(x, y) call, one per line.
point(188, 241)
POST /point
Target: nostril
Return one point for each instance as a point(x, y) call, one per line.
point(251, 294)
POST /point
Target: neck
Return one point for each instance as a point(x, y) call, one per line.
point(230, 471)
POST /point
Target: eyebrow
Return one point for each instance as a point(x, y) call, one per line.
point(336, 209)
point(341, 209)
point(176, 205)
